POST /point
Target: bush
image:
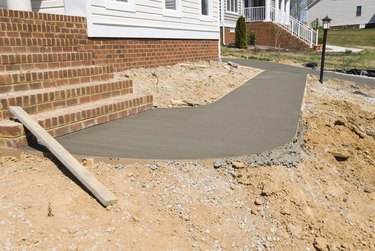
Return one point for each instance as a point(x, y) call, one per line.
point(240, 35)
point(252, 38)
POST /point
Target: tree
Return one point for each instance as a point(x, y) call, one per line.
point(297, 8)
point(240, 33)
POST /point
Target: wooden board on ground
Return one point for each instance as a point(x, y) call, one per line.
point(102, 193)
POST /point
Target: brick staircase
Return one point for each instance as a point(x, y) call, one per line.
point(45, 68)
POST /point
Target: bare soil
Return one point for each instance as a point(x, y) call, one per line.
point(189, 84)
point(325, 202)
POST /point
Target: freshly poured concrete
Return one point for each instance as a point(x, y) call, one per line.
point(258, 116)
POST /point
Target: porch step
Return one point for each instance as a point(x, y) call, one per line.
point(27, 17)
point(37, 79)
point(42, 30)
point(70, 119)
point(32, 61)
point(29, 41)
point(37, 101)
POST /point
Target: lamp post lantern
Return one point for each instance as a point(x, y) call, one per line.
point(326, 24)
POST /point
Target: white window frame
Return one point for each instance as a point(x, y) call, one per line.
point(359, 7)
point(172, 13)
point(205, 17)
point(236, 7)
point(120, 5)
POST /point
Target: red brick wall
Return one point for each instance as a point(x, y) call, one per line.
point(270, 34)
point(229, 36)
point(26, 32)
point(126, 53)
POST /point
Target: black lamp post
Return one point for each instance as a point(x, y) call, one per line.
point(326, 23)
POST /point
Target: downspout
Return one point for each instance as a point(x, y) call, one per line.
point(219, 42)
point(222, 19)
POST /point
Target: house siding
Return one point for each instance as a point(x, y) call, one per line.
point(230, 17)
point(48, 6)
point(343, 12)
point(3, 4)
point(148, 21)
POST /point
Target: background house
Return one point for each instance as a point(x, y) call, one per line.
point(344, 13)
point(270, 20)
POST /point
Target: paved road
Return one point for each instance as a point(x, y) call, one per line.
point(260, 115)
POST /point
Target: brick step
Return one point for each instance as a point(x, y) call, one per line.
point(28, 58)
point(37, 101)
point(71, 119)
point(28, 17)
point(37, 79)
point(32, 61)
point(35, 42)
point(37, 49)
point(42, 30)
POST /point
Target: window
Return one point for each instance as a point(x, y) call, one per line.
point(171, 4)
point(205, 8)
point(126, 5)
point(359, 11)
point(232, 6)
point(172, 8)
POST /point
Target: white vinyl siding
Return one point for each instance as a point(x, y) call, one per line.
point(343, 12)
point(232, 6)
point(48, 6)
point(125, 5)
point(231, 17)
point(146, 20)
point(3, 4)
point(150, 21)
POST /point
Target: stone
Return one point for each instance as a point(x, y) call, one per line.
point(367, 190)
point(235, 65)
point(238, 165)
point(294, 230)
point(258, 201)
point(119, 166)
point(320, 244)
point(220, 163)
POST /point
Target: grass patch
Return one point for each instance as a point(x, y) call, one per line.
point(351, 38)
point(362, 60)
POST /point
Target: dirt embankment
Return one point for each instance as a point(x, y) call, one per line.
point(325, 200)
point(190, 84)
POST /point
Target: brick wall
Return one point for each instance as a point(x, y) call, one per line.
point(229, 36)
point(270, 34)
point(123, 53)
point(65, 80)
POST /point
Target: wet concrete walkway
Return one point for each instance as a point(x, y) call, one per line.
point(260, 115)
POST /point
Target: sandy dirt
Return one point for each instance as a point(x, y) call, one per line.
point(189, 84)
point(325, 202)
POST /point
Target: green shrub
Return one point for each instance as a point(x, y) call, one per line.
point(240, 35)
point(252, 38)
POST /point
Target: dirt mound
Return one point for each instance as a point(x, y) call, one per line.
point(325, 200)
point(189, 84)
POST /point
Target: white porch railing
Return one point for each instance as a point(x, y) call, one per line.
point(289, 23)
point(304, 32)
point(255, 14)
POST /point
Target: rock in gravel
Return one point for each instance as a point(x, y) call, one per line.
point(367, 190)
point(294, 230)
point(220, 163)
point(258, 201)
point(238, 165)
point(320, 244)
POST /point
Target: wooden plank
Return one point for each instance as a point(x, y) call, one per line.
point(105, 196)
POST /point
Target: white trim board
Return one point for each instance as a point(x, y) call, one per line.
point(103, 30)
